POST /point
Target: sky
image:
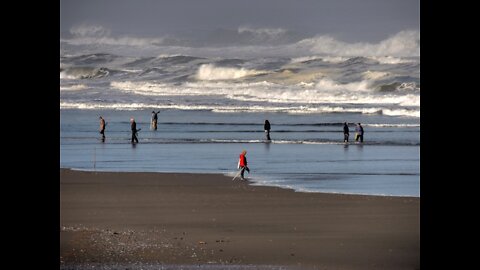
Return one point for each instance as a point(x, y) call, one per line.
point(226, 22)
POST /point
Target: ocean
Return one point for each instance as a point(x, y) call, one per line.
point(213, 106)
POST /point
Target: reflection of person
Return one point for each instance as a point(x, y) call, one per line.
point(266, 127)
point(154, 119)
point(133, 127)
point(102, 127)
point(346, 131)
point(359, 131)
point(242, 163)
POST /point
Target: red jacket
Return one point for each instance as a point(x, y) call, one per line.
point(243, 160)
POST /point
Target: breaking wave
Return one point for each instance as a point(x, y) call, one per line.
point(209, 72)
point(314, 75)
point(84, 73)
point(403, 44)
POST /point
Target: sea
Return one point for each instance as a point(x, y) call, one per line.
point(213, 103)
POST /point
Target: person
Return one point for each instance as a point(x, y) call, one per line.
point(102, 128)
point(242, 164)
point(266, 127)
point(154, 119)
point(346, 132)
point(133, 126)
point(359, 131)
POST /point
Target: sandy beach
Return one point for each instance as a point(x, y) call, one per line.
point(208, 221)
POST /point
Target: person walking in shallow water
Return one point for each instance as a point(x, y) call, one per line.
point(359, 133)
point(154, 120)
point(346, 132)
point(102, 127)
point(133, 127)
point(266, 127)
point(242, 164)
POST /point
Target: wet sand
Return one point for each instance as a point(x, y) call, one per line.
point(207, 221)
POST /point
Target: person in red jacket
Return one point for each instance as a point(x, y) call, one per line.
point(242, 163)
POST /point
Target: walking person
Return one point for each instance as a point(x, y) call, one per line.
point(346, 132)
point(359, 132)
point(242, 164)
point(266, 127)
point(102, 128)
point(133, 127)
point(154, 120)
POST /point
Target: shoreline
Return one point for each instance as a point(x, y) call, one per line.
point(248, 182)
point(177, 219)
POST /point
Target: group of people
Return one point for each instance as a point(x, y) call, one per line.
point(266, 127)
point(133, 127)
point(242, 160)
point(358, 132)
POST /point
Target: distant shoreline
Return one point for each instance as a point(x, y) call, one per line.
point(122, 218)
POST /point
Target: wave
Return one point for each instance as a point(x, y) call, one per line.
point(403, 44)
point(89, 59)
point(330, 85)
point(74, 87)
point(176, 59)
point(401, 112)
point(323, 124)
point(149, 140)
point(397, 86)
point(375, 75)
point(394, 60)
point(313, 58)
point(340, 59)
point(393, 125)
point(325, 91)
point(84, 73)
point(236, 109)
point(209, 72)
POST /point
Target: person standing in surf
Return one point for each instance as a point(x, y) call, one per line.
point(242, 164)
point(266, 127)
point(154, 119)
point(133, 127)
point(102, 128)
point(359, 131)
point(346, 132)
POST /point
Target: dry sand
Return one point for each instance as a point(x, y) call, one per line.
point(207, 221)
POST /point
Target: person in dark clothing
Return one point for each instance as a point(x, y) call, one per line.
point(346, 131)
point(154, 119)
point(133, 126)
point(242, 163)
point(102, 128)
point(266, 127)
point(359, 131)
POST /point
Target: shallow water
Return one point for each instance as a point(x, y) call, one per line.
point(306, 153)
